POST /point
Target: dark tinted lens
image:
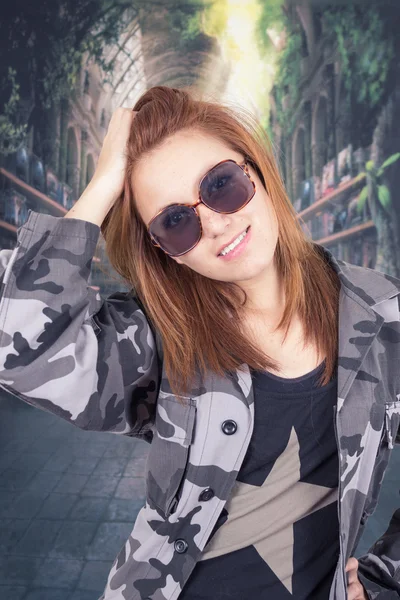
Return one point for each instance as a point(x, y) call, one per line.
point(176, 229)
point(226, 188)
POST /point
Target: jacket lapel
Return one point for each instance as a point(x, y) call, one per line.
point(362, 312)
point(362, 294)
point(367, 299)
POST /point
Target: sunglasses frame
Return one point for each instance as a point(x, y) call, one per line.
point(243, 165)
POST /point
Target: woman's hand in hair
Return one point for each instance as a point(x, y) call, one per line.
point(107, 183)
point(111, 165)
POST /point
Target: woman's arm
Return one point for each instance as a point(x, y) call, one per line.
point(65, 350)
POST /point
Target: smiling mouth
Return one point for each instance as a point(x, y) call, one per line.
point(235, 243)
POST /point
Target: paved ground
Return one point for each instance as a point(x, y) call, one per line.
point(69, 498)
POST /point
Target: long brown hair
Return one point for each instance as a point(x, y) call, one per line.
point(188, 310)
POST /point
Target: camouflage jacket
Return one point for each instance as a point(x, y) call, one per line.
point(95, 363)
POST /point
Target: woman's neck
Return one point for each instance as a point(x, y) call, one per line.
point(265, 298)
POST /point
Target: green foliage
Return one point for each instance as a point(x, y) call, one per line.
point(288, 77)
point(384, 196)
point(11, 135)
point(366, 38)
point(271, 17)
point(45, 43)
point(375, 175)
point(365, 47)
point(362, 198)
point(287, 62)
point(389, 161)
point(57, 82)
point(186, 19)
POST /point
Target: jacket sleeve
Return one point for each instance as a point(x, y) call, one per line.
point(65, 350)
point(379, 568)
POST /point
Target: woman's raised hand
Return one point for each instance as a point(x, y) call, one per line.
point(107, 183)
point(111, 165)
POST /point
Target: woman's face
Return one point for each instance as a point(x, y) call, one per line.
point(171, 174)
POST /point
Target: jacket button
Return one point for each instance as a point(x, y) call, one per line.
point(229, 427)
point(206, 494)
point(180, 546)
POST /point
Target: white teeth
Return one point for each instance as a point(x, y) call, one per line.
point(234, 243)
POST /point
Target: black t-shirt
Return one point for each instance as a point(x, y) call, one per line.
point(278, 534)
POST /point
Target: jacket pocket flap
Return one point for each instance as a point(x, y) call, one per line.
point(169, 452)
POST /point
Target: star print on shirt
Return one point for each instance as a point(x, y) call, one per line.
point(267, 513)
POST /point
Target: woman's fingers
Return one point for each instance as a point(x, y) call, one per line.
point(355, 589)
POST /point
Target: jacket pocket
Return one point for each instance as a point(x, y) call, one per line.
point(169, 452)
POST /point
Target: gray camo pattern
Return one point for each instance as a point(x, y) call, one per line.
point(95, 363)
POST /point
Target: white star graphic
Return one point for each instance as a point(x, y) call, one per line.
point(264, 515)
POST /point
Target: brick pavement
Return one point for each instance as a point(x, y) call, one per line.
point(69, 498)
point(68, 501)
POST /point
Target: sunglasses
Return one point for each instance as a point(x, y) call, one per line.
point(226, 188)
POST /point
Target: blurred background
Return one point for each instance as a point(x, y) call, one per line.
point(322, 77)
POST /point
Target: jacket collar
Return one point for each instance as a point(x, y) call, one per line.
point(367, 298)
point(364, 305)
point(371, 287)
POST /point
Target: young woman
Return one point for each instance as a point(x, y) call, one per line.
point(263, 370)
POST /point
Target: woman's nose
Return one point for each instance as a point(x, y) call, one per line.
point(212, 222)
